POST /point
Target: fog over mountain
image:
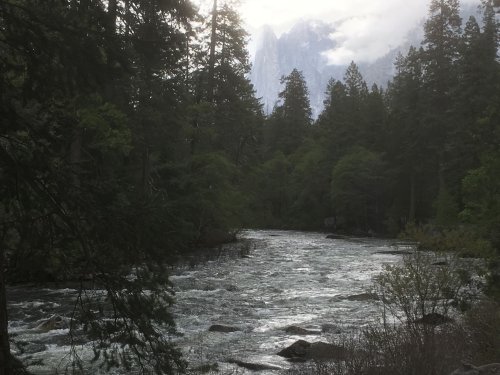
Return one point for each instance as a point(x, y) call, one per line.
point(308, 46)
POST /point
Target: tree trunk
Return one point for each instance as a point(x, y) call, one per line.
point(146, 170)
point(76, 155)
point(126, 17)
point(112, 13)
point(211, 61)
point(108, 89)
point(411, 213)
point(5, 358)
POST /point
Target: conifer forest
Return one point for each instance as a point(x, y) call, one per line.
point(131, 137)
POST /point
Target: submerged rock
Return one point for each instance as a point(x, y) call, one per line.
point(334, 236)
point(363, 297)
point(393, 252)
point(35, 348)
point(223, 329)
point(303, 350)
point(331, 328)
point(254, 366)
point(231, 288)
point(294, 330)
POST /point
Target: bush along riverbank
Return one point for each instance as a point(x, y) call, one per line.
point(434, 319)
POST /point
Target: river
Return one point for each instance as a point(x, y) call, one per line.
point(285, 278)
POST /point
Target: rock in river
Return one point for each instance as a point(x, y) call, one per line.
point(331, 328)
point(303, 350)
point(254, 366)
point(294, 330)
point(363, 297)
point(334, 236)
point(54, 322)
point(223, 329)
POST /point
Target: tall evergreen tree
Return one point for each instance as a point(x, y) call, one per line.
point(442, 48)
point(441, 44)
point(407, 145)
point(238, 114)
point(375, 118)
point(354, 82)
point(291, 119)
point(83, 85)
point(228, 116)
point(346, 120)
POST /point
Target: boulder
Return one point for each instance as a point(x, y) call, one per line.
point(434, 319)
point(294, 330)
point(223, 329)
point(468, 369)
point(303, 350)
point(298, 349)
point(54, 322)
point(254, 366)
point(231, 288)
point(331, 328)
point(335, 237)
point(363, 297)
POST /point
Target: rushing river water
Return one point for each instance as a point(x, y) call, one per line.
point(287, 278)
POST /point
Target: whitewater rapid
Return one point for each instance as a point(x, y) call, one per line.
point(282, 279)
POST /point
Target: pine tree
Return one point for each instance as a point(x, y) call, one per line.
point(228, 116)
point(291, 119)
point(374, 134)
point(354, 82)
point(407, 144)
point(357, 95)
point(238, 114)
point(488, 70)
point(440, 60)
point(441, 44)
point(80, 107)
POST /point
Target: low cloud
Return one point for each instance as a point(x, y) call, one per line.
point(365, 29)
point(378, 28)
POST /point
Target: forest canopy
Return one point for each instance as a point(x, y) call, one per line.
point(131, 134)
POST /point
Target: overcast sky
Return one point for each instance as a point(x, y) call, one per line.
point(365, 29)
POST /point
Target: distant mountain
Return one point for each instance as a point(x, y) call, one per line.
point(303, 48)
point(266, 71)
point(300, 48)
